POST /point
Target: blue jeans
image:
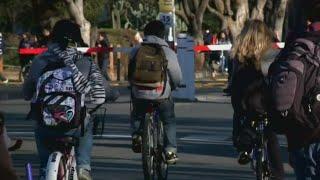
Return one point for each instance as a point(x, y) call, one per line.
point(306, 162)
point(166, 112)
point(83, 151)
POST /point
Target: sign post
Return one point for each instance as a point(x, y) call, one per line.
point(167, 17)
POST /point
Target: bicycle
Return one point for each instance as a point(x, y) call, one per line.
point(62, 161)
point(258, 157)
point(260, 150)
point(153, 153)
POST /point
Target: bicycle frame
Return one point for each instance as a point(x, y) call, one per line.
point(260, 160)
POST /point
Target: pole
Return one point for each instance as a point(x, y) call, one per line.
point(118, 64)
point(29, 171)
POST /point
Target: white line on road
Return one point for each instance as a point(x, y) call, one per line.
point(212, 139)
point(119, 136)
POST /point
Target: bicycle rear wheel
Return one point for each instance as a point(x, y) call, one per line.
point(148, 157)
point(162, 166)
point(259, 166)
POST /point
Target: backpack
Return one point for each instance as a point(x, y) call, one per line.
point(295, 86)
point(150, 69)
point(60, 106)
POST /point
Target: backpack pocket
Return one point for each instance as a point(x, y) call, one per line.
point(284, 81)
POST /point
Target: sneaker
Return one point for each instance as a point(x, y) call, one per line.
point(136, 143)
point(244, 158)
point(5, 81)
point(171, 158)
point(16, 146)
point(84, 174)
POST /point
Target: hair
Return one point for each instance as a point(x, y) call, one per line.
point(312, 10)
point(254, 39)
point(64, 30)
point(103, 34)
point(155, 28)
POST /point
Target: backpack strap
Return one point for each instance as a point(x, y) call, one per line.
point(308, 49)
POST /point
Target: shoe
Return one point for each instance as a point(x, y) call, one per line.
point(5, 81)
point(171, 158)
point(244, 158)
point(84, 174)
point(16, 145)
point(227, 90)
point(136, 143)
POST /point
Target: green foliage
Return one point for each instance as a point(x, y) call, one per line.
point(93, 10)
point(211, 22)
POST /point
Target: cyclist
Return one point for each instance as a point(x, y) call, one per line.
point(303, 139)
point(59, 53)
point(253, 53)
point(154, 33)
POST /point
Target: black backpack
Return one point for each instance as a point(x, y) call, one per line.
point(295, 86)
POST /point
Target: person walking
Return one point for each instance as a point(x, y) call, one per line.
point(102, 57)
point(3, 78)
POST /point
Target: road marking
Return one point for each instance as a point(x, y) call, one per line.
point(212, 139)
point(107, 136)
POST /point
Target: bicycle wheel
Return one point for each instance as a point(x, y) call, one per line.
point(162, 166)
point(56, 167)
point(259, 165)
point(147, 149)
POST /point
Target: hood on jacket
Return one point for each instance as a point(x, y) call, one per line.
point(155, 40)
point(267, 58)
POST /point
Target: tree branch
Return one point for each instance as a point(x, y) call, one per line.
point(182, 15)
point(74, 11)
point(228, 7)
point(215, 12)
point(79, 4)
point(257, 11)
point(202, 8)
point(196, 4)
point(187, 10)
point(219, 4)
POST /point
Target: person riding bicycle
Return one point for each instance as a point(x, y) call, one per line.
point(65, 34)
point(253, 53)
point(152, 78)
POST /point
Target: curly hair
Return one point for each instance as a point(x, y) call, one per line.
point(254, 39)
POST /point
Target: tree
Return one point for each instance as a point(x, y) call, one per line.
point(14, 13)
point(233, 14)
point(75, 8)
point(191, 13)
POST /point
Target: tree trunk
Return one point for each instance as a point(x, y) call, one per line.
point(280, 16)
point(76, 12)
point(257, 12)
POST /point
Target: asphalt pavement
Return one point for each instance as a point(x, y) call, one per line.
point(203, 130)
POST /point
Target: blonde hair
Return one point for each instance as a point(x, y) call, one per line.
point(254, 39)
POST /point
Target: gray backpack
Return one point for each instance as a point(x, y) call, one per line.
point(295, 86)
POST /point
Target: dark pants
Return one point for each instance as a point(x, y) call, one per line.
point(306, 162)
point(103, 65)
point(275, 156)
point(166, 112)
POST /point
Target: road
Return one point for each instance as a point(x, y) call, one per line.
point(203, 132)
